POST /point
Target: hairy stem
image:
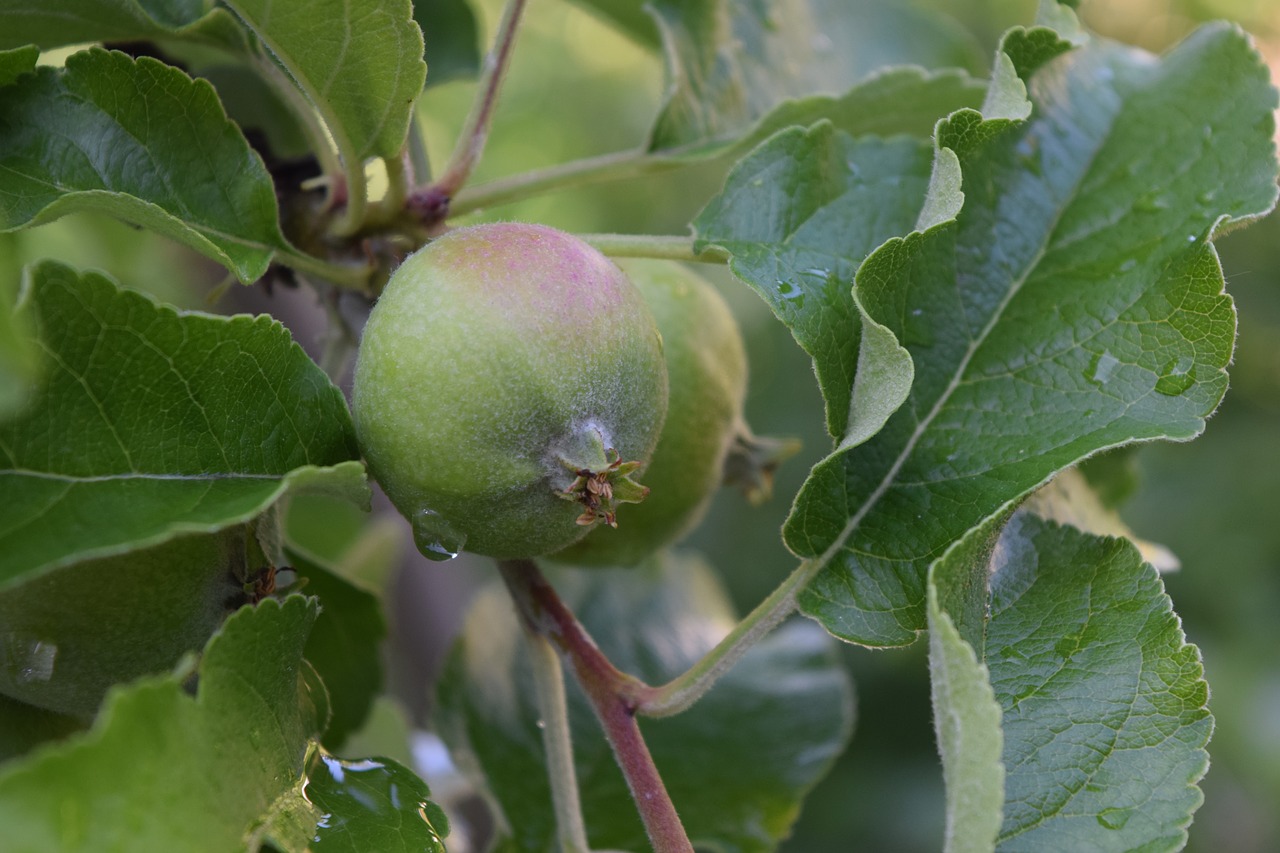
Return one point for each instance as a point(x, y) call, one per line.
point(349, 277)
point(557, 741)
point(670, 248)
point(681, 692)
point(593, 170)
point(608, 690)
point(472, 139)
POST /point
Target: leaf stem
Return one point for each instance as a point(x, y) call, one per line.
point(434, 202)
point(557, 740)
point(608, 690)
point(349, 277)
point(671, 248)
point(681, 692)
point(614, 166)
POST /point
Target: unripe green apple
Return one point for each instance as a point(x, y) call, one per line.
point(707, 371)
point(509, 381)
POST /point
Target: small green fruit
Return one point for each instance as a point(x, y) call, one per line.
point(707, 370)
point(509, 380)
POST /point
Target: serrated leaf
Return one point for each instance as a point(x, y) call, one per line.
point(71, 634)
point(1074, 304)
point(54, 23)
point(140, 141)
point(797, 217)
point(737, 764)
point(372, 804)
point(731, 62)
point(1101, 700)
point(451, 36)
point(152, 424)
point(345, 647)
point(162, 770)
point(360, 63)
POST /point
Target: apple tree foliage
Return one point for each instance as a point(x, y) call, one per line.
point(996, 277)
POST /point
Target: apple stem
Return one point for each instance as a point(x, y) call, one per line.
point(431, 204)
point(610, 693)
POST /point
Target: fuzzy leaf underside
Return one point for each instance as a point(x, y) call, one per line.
point(140, 141)
point(152, 424)
point(1083, 683)
point(359, 62)
point(1074, 303)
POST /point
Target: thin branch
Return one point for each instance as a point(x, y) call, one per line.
point(671, 248)
point(614, 166)
point(557, 740)
point(607, 688)
point(433, 203)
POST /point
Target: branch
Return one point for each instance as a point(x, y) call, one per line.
point(608, 690)
point(432, 204)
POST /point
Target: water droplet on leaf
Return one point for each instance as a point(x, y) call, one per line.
point(1114, 818)
point(27, 658)
point(1178, 375)
point(1101, 367)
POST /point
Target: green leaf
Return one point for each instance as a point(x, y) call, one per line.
point(360, 64)
point(798, 216)
point(730, 62)
point(152, 424)
point(14, 63)
point(345, 647)
point(72, 633)
point(1102, 701)
point(737, 764)
point(20, 364)
point(372, 804)
point(163, 770)
point(1074, 304)
point(140, 141)
point(966, 715)
point(24, 727)
point(452, 39)
point(54, 23)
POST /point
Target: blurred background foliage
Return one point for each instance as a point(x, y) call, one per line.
point(579, 88)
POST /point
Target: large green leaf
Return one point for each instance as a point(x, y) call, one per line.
point(1073, 304)
point(54, 23)
point(20, 364)
point(451, 37)
point(72, 633)
point(162, 770)
point(140, 141)
point(798, 216)
point(737, 764)
point(1101, 700)
point(345, 647)
point(731, 62)
point(358, 61)
point(152, 424)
